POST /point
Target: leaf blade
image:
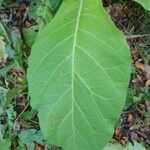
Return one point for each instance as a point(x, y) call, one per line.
point(76, 76)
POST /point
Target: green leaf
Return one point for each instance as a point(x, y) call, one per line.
point(144, 3)
point(40, 10)
point(30, 136)
point(78, 76)
point(54, 4)
point(28, 115)
point(5, 32)
point(5, 144)
point(113, 147)
point(3, 54)
point(3, 93)
point(17, 44)
point(1, 1)
point(30, 35)
point(6, 69)
point(21, 148)
point(11, 93)
point(136, 146)
point(43, 12)
point(11, 40)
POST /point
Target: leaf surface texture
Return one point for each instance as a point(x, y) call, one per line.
point(78, 76)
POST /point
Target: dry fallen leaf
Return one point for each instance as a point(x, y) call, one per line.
point(37, 147)
point(117, 131)
point(148, 83)
point(135, 54)
point(130, 118)
point(144, 67)
point(137, 79)
point(119, 10)
point(147, 71)
point(139, 65)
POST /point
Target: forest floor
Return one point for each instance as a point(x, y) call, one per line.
point(18, 121)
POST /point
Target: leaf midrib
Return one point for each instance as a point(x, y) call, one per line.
point(73, 60)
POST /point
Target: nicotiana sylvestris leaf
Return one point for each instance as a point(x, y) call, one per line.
point(78, 76)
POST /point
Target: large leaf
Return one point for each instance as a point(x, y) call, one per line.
point(78, 76)
point(144, 3)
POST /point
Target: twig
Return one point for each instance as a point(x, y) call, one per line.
point(35, 122)
point(14, 126)
point(136, 36)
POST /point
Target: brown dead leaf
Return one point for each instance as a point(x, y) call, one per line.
point(147, 71)
point(148, 83)
point(28, 24)
point(137, 79)
point(135, 54)
point(139, 65)
point(130, 118)
point(117, 131)
point(119, 10)
point(142, 107)
point(37, 147)
point(144, 67)
point(123, 142)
